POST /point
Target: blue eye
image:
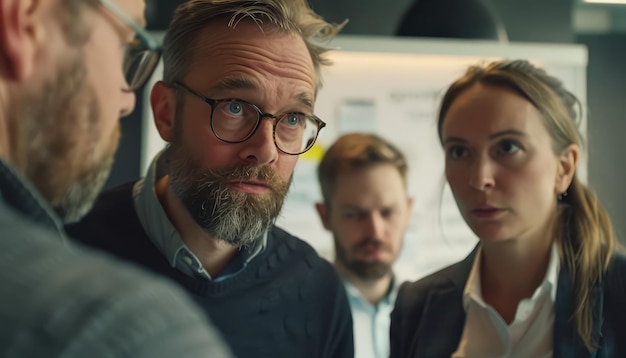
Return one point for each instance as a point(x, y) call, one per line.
point(235, 107)
point(292, 119)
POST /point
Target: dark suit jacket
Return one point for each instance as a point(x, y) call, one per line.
point(429, 317)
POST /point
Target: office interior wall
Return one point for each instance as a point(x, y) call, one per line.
point(127, 159)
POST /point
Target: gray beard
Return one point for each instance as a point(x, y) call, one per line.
point(229, 216)
point(236, 218)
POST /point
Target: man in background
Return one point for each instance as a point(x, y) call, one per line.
point(363, 180)
point(236, 107)
point(62, 92)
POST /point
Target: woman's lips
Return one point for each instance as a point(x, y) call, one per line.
point(487, 212)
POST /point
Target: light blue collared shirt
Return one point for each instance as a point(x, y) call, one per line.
point(161, 231)
point(371, 322)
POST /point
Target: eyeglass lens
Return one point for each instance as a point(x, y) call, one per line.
point(234, 121)
point(138, 66)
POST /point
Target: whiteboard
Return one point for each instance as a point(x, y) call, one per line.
point(392, 86)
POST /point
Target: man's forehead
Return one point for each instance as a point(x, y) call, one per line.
point(217, 41)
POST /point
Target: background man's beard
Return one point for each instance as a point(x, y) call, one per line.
point(364, 270)
point(58, 136)
point(231, 216)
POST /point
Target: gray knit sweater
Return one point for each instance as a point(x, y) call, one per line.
point(59, 300)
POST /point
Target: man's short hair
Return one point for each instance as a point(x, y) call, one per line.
point(288, 16)
point(356, 151)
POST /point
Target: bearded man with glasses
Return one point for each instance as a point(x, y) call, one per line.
point(236, 107)
point(62, 91)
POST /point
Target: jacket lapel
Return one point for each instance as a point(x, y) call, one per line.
point(443, 317)
point(442, 324)
point(567, 341)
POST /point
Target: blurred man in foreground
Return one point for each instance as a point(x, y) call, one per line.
point(62, 92)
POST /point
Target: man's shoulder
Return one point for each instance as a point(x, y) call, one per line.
point(64, 299)
point(300, 263)
point(315, 287)
point(289, 244)
point(449, 278)
point(113, 201)
point(110, 220)
point(452, 277)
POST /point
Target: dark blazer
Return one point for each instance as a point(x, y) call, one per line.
point(428, 318)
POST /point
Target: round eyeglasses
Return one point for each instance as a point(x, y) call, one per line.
point(235, 121)
point(139, 64)
point(140, 57)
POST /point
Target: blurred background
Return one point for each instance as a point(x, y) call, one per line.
point(598, 26)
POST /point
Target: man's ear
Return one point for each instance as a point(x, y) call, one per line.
point(21, 32)
point(163, 101)
point(567, 168)
point(324, 214)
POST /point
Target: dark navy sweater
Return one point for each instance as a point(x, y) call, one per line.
point(288, 302)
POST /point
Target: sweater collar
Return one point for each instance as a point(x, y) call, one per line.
point(21, 195)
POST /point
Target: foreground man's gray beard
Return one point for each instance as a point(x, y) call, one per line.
point(59, 134)
point(231, 216)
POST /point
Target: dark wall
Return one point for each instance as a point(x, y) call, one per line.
point(536, 20)
point(128, 157)
point(471, 19)
point(373, 17)
point(527, 20)
point(606, 91)
point(159, 13)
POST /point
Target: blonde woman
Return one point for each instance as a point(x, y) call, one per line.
point(545, 279)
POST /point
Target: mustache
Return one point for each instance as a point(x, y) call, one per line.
point(177, 160)
point(369, 242)
point(224, 176)
point(263, 173)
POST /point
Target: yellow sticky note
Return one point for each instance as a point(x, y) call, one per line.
point(314, 154)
